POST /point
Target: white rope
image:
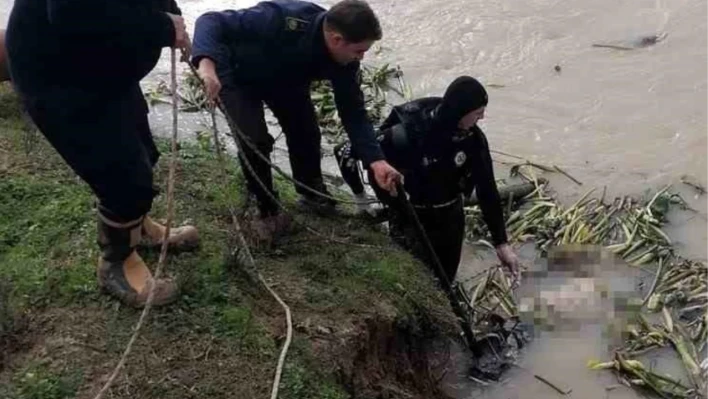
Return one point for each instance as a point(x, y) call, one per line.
point(251, 263)
point(288, 339)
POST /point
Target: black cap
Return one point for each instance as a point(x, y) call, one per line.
point(463, 95)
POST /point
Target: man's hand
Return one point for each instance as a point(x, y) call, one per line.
point(509, 259)
point(207, 73)
point(386, 176)
point(181, 35)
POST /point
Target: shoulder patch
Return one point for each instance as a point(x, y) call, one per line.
point(411, 107)
point(460, 158)
point(295, 24)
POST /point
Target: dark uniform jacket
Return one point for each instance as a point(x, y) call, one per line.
point(281, 43)
point(94, 45)
point(77, 65)
point(436, 168)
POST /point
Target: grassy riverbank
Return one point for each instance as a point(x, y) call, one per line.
point(366, 319)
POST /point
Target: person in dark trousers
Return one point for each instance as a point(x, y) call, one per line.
point(77, 66)
point(4, 69)
point(443, 154)
point(271, 53)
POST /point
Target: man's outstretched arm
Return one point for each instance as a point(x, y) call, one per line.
point(215, 30)
point(350, 105)
point(490, 202)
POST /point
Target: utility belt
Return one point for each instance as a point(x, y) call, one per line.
point(437, 206)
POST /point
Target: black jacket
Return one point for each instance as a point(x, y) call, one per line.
point(281, 43)
point(95, 45)
point(438, 168)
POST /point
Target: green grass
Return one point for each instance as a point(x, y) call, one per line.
point(46, 246)
point(60, 335)
point(303, 379)
point(36, 381)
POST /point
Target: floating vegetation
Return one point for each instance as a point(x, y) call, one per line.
point(631, 228)
point(376, 83)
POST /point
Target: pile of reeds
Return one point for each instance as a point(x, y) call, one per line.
point(632, 229)
point(679, 295)
point(688, 339)
point(627, 226)
point(376, 83)
point(634, 373)
point(489, 292)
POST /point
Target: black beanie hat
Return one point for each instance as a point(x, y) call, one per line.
point(463, 95)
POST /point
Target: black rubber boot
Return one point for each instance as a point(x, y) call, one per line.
point(122, 272)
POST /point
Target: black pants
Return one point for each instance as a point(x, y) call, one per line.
point(106, 140)
point(293, 108)
point(349, 166)
point(445, 228)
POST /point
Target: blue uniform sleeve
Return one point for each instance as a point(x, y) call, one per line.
point(349, 100)
point(127, 24)
point(214, 31)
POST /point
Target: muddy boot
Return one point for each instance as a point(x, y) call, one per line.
point(281, 224)
point(181, 238)
point(269, 228)
point(122, 272)
point(318, 204)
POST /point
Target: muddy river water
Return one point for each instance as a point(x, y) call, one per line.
point(627, 120)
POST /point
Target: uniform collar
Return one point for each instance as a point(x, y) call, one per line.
point(319, 48)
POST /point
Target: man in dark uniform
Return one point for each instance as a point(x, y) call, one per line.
point(271, 53)
point(77, 67)
point(443, 154)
